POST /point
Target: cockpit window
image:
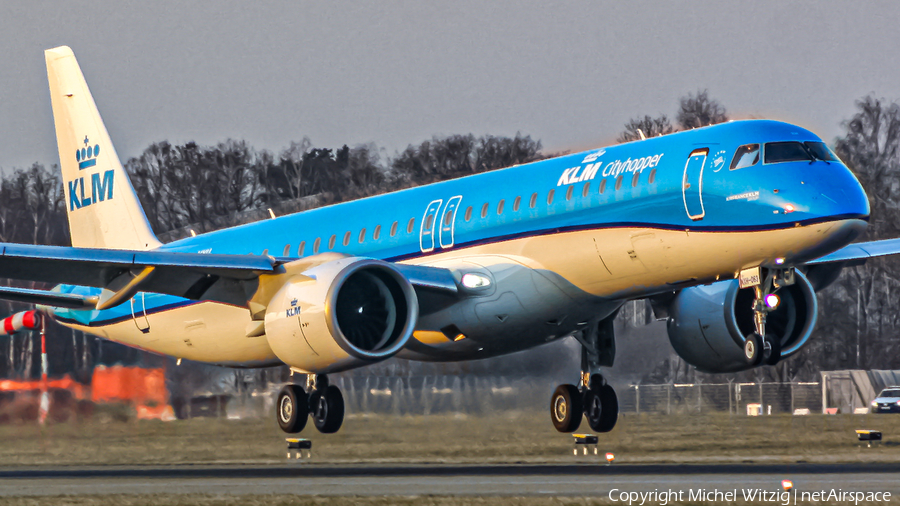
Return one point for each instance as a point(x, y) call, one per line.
point(777, 152)
point(745, 156)
point(820, 151)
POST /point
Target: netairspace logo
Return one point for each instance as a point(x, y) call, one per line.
point(753, 495)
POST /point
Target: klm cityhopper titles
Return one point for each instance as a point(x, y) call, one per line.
point(728, 231)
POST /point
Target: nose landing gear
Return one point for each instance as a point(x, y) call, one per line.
point(759, 347)
point(324, 403)
point(593, 398)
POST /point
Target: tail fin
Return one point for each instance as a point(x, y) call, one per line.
point(101, 204)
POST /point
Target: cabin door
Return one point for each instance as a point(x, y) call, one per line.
point(428, 225)
point(692, 184)
point(448, 221)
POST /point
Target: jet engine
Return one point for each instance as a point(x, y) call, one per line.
point(341, 314)
point(707, 324)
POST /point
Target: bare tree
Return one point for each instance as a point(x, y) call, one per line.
point(650, 127)
point(699, 110)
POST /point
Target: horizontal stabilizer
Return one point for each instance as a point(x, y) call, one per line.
point(47, 298)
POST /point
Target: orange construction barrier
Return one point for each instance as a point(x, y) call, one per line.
point(131, 384)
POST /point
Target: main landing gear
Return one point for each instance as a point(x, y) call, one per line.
point(759, 347)
point(324, 403)
point(593, 397)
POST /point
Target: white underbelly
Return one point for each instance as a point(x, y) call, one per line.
point(205, 332)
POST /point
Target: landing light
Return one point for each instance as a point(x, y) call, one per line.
point(772, 301)
point(779, 261)
point(788, 208)
point(472, 280)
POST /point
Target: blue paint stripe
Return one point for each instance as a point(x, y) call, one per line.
point(128, 317)
point(87, 163)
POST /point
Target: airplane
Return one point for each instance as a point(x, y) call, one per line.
point(728, 230)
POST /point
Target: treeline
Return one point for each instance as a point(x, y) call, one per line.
point(211, 187)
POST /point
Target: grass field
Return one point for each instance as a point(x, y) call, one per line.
point(513, 437)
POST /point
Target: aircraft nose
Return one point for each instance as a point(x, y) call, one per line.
point(844, 194)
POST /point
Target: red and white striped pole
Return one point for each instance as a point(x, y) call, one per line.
point(45, 396)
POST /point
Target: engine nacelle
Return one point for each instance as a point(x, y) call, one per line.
point(707, 324)
point(341, 314)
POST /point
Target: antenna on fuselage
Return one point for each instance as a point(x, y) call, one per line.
point(641, 133)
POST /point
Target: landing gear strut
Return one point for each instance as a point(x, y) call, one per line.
point(324, 403)
point(593, 397)
point(760, 347)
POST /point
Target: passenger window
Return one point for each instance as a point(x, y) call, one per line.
point(634, 180)
point(409, 227)
point(745, 156)
point(652, 178)
point(362, 235)
point(448, 217)
point(301, 248)
point(550, 197)
point(586, 189)
point(569, 192)
point(618, 183)
point(429, 221)
point(347, 238)
point(484, 209)
point(500, 206)
point(377, 233)
point(331, 241)
point(516, 203)
point(394, 229)
point(316, 245)
point(533, 201)
point(287, 250)
point(468, 213)
point(602, 186)
point(777, 152)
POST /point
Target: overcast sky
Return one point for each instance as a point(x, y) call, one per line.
point(567, 73)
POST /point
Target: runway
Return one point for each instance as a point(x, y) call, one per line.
point(405, 480)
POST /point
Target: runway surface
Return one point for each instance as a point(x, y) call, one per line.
point(500, 480)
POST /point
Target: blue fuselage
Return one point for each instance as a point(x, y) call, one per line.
point(678, 182)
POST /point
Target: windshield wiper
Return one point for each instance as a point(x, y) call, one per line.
point(813, 154)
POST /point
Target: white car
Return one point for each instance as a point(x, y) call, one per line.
point(888, 401)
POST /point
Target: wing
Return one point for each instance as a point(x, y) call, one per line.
point(823, 271)
point(231, 279)
point(858, 253)
point(123, 273)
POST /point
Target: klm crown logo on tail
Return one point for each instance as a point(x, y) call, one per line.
point(87, 156)
point(101, 187)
